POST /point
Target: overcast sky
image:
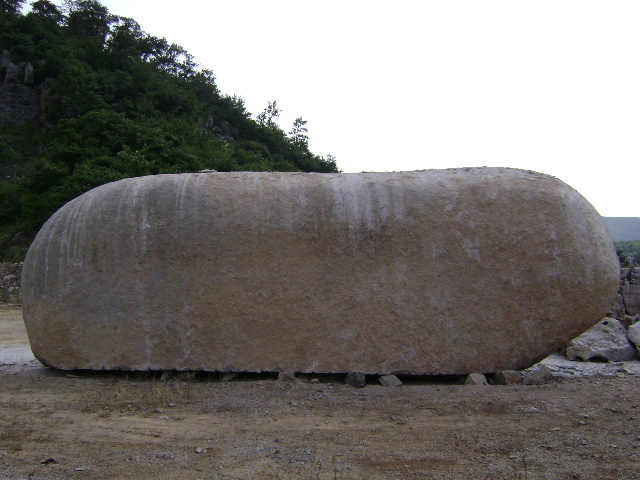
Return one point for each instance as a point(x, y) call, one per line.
point(551, 86)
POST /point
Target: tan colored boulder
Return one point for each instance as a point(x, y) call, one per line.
point(429, 272)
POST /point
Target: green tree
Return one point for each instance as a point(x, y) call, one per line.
point(268, 114)
point(299, 132)
point(120, 103)
point(45, 10)
point(76, 91)
point(624, 259)
point(88, 23)
point(332, 164)
point(11, 7)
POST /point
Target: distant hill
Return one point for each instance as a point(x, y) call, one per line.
point(623, 228)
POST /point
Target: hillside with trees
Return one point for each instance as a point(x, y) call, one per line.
point(628, 252)
point(87, 97)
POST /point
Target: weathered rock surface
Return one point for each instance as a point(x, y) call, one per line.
point(631, 290)
point(617, 310)
point(430, 272)
point(606, 341)
point(20, 99)
point(633, 334)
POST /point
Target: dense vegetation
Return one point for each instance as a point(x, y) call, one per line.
point(123, 104)
point(628, 252)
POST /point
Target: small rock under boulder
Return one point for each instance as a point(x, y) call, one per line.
point(356, 379)
point(476, 378)
point(228, 376)
point(287, 376)
point(390, 381)
point(507, 377)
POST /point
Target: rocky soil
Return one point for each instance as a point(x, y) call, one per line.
point(583, 424)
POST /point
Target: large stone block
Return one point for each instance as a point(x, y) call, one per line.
point(428, 272)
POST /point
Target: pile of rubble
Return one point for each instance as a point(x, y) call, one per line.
point(610, 348)
point(10, 275)
point(617, 337)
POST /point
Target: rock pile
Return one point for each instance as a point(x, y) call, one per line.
point(10, 281)
point(616, 337)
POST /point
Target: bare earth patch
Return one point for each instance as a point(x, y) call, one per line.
point(88, 425)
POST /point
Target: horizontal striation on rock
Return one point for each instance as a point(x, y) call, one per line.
point(427, 272)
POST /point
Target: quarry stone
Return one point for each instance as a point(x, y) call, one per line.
point(607, 341)
point(427, 272)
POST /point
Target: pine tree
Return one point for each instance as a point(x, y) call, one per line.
point(299, 132)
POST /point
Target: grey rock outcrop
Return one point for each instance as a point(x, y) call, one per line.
point(631, 290)
point(20, 98)
point(606, 341)
point(18, 103)
point(617, 309)
point(430, 272)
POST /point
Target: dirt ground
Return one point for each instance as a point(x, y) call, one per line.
point(84, 425)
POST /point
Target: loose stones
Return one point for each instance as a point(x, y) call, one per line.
point(429, 272)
